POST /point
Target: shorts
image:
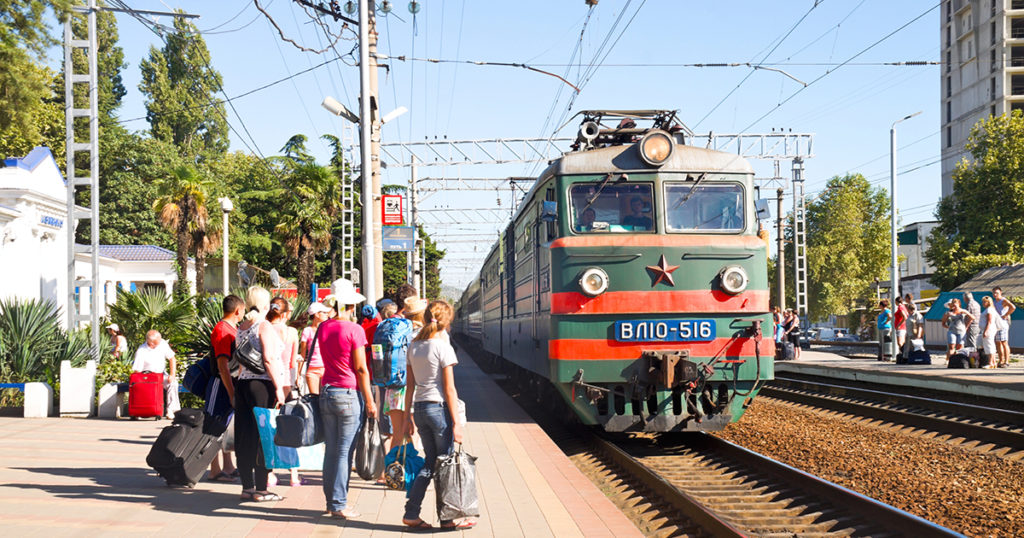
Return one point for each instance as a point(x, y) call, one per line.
point(954, 338)
point(1002, 335)
point(901, 334)
point(988, 345)
point(394, 399)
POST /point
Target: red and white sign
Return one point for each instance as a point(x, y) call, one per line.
point(391, 209)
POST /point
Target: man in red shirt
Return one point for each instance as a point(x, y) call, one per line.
point(222, 340)
point(900, 323)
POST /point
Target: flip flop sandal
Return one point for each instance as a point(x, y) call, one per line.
point(247, 495)
point(465, 524)
point(352, 514)
point(422, 525)
point(266, 497)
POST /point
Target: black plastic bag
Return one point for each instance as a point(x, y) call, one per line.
point(369, 450)
point(455, 482)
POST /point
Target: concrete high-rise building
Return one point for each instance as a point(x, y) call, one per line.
point(982, 70)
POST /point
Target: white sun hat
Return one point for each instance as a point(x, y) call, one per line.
point(345, 292)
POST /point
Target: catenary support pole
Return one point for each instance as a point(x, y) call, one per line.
point(780, 258)
point(369, 272)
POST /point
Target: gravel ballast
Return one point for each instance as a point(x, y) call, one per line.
point(975, 494)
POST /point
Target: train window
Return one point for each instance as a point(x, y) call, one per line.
point(612, 207)
point(690, 206)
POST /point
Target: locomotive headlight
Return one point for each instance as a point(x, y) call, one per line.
point(734, 279)
point(594, 281)
point(656, 147)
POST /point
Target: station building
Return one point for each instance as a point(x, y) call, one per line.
point(34, 242)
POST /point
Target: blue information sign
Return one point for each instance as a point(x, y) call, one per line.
point(398, 238)
point(667, 330)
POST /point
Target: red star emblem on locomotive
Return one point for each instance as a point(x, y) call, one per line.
point(662, 271)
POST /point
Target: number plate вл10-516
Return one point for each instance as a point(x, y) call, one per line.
point(669, 330)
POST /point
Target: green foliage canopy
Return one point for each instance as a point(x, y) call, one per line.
point(847, 244)
point(982, 222)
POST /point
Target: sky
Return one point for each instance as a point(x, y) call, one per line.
point(623, 54)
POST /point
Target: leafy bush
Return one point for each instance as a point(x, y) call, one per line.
point(140, 311)
point(33, 344)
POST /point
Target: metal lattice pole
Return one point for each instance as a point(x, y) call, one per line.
point(91, 182)
point(348, 241)
point(800, 241)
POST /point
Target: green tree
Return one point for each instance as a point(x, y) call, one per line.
point(182, 196)
point(847, 244)
point(982, 222)
point(180, 88)
point(24, 81)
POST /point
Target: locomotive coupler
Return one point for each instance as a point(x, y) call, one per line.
point(671, 368)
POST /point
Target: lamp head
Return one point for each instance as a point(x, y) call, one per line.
point(226, 205)
point(334, 107)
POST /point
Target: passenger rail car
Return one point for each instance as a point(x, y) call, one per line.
point(632, 279)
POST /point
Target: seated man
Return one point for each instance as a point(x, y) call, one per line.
point(637, 219)
point(586, 222)
point(152, 356)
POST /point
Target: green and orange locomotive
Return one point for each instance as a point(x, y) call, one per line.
point(632, 282)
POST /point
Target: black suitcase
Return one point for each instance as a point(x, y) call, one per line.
point(183, 451)
point(785, 351)
point(958, 361)
point(919, 356)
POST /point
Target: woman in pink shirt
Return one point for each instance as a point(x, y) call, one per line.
point(345, 394)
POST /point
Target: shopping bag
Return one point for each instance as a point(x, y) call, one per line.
point(307, 458)
point(369, 450)
point(401, 465)
point(455, 484)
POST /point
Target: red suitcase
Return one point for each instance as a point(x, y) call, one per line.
point(146, 395)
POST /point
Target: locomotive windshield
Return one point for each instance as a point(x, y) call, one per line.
point(691, 206)
point(612, 207)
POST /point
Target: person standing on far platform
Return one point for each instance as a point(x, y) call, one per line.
point(915, 328)
point(1004, 308)
point(900, 323)
point(972, 306)
point(989, 323)
point(955, 322)
point(884, 325)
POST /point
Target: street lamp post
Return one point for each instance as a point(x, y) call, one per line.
point(894, 282)
point(226, 207)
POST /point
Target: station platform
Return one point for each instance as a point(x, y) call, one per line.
point(76, 477)
point(1000, 383)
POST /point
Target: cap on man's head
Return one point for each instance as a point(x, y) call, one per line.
point(383, 302)
point(369, 311)
point(330, 302)
point(317, 308)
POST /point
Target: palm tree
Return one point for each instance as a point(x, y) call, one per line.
point(307, 215)
point(181, 201)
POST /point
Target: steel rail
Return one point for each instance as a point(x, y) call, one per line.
point(991, 425)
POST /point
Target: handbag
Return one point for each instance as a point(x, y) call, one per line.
point(299, 422)
point(198, 376)
point(403, 464)
point(369, 450)
point(307, 458)
point(245, 353)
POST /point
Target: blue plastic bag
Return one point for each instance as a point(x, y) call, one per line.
point(410, 460)
point(306, 458)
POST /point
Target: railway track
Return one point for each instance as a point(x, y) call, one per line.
point(985, 429)
point(700, 485)
point(730, 491)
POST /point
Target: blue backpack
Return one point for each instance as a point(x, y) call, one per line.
point(390, 345)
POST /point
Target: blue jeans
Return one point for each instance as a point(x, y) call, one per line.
point(342, 413)
point(434, 423)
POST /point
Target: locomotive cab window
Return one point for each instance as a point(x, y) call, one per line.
point(612, 207)
point(692, 206)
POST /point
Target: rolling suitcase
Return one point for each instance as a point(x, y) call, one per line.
point(184, 450)
point(146, 395)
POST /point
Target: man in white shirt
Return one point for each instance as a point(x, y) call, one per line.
point(152, 357)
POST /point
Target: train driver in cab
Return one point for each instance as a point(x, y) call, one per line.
point(636, 218)
point(586, 220)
